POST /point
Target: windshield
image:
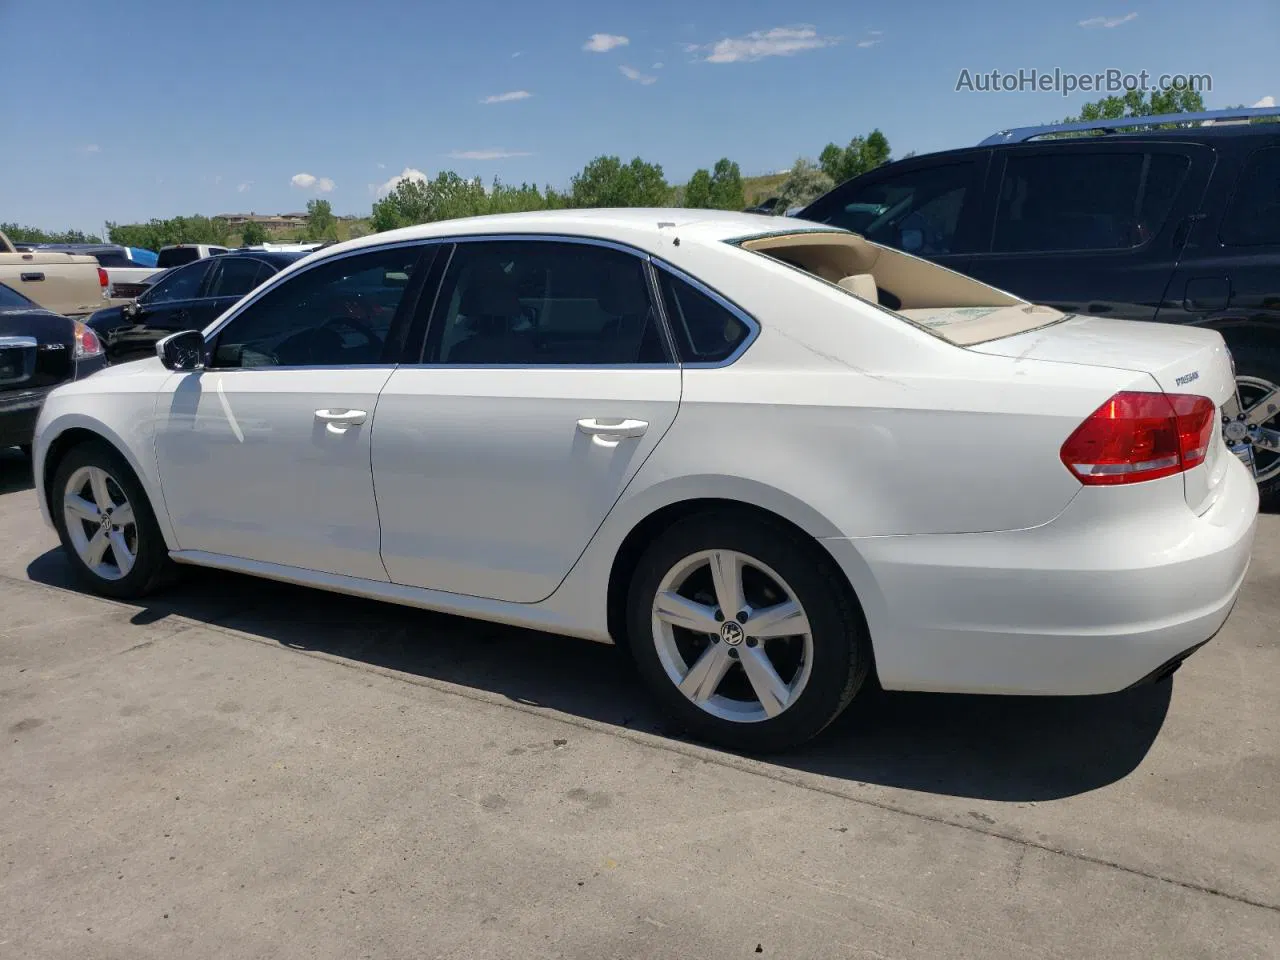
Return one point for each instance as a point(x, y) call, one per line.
point(947, 304)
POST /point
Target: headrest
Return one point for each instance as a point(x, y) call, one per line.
point(861, 285)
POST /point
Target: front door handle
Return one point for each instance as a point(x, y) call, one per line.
point(613, 429)
point(32, 277)
point(337, 421)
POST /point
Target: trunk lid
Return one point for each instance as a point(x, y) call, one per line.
point(1179, 359)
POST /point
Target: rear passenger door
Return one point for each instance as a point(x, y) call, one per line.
point(545, 380)
point(1090, 228)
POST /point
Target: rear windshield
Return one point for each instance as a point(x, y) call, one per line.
point(11, 298)
point(176, 256)
point(947, 304)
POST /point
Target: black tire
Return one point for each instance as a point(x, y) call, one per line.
point(1263, 363)
point(842, 655)
point(152, 565)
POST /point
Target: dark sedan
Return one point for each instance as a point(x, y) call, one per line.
point(188, 297)
point(38, 351)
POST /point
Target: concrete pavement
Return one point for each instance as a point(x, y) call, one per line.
point(244, 769)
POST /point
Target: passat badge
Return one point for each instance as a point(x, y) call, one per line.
point(1186, 378)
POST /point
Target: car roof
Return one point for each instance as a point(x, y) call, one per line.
point(277, 258)
point(647, 228)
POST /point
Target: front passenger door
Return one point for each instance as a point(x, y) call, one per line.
point(264, 454)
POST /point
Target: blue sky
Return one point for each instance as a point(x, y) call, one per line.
point(139, 109)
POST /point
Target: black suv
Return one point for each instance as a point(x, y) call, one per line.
point(1174, 225)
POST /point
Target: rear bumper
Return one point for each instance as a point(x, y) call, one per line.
point(1125, 582)
point(18, 413)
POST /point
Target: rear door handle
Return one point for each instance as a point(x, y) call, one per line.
point(32, 277)
point(337, 421)
point(613, 429)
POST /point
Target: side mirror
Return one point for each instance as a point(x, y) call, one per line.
point(912, 240)
point(182, 351)
point(130, 309)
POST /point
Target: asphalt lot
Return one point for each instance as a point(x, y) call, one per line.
point(243, 769)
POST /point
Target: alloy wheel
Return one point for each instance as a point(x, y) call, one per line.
point(731, 636)
point(1251, 426)
point(100, 523)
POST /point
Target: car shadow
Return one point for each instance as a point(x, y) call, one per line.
point(15, 471)
point(997, 748)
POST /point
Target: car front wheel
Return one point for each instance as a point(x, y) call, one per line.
point(105, 523)
point(745, 632)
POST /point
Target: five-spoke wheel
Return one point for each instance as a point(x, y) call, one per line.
point(745, 631)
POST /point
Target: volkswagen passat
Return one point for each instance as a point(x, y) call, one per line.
point(767, 456)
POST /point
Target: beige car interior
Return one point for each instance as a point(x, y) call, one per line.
point(946, 303)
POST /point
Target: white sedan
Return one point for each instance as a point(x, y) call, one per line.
point(767, 456)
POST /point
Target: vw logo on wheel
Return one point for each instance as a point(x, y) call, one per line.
point(731, 633)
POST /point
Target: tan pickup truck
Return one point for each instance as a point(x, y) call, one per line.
point(62, 282)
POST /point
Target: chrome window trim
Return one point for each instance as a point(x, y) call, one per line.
point(643, 256)
point(752, 325)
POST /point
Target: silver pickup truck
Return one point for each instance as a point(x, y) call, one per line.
point(65, 283)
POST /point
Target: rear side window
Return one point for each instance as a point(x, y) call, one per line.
point(1084, 201)
point(238, 275)
point(1253, 217)
point(181, 284)
point(706, 330)
point(177, 256)
point(539, 302)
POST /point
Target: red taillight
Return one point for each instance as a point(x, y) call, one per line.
point(102, 277)
point(1140, 436)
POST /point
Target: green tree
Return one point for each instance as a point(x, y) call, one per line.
point(253, 234)
point(804, 184)
point(321, 223)
point(697, 192)
point(607, 182)
point(159, 233)
point(862, 154)
point(726, 186)
point(19, 233)
point(1135, 103)
point(402, 207)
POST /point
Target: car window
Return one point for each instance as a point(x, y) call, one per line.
point(176, 256)
point(544, 302)
point(236, 276)
point(1253, 216)
point(917, 211)
point(335, 314)
point(705, 330)
point(1084, 201)
point(183, 284)
point(11, 298)
point(115, 258)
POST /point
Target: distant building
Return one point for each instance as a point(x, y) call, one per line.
point(272, 221)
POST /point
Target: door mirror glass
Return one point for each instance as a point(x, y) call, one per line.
point(130, 310)
point(912, 240)
point(182, 351)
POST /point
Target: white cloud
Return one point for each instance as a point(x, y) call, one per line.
point(657, 66)
point(869, 43)
point(604, 42)
point(631, 73)
point(1107, 23)
point(91, 148)
point(1267, 101)
point(244, 187)
point(508, 96)
point(778, 42)
point(305, 181)
point(492, 154)
point(382, 166)
point(516, 54)
point(411, 174)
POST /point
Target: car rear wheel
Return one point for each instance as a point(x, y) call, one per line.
point(1253, 431)
point(744, 632)
point(106, 524)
